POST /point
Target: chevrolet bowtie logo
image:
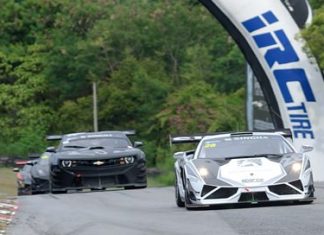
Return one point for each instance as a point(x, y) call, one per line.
point(98, 163)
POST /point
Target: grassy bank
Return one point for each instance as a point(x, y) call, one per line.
point(8, 186)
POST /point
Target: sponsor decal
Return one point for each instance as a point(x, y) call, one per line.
point(249, 162)
point(279, 52)
point(250, 138)
point(210, 145)
point(44, 156)
point(249, 180)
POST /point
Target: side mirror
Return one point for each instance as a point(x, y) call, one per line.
point(50, 149)
point(138, 144)
point(306, 148)
point(179, 155)
point(16, 169)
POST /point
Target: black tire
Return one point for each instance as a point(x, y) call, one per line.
point(179, 202)
point(134, 187)
point(19, 192)
point(55, 190)
point(24, 191)
point(59, 191)
point(187, 200)
point(188, 203)
point(98, 189)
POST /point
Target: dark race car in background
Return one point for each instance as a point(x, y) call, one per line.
point(33, 175)
point(96, 160)
point(247, 167)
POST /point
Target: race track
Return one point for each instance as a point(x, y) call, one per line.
point(153, 211)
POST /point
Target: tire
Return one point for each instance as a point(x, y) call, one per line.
point(134, 187)
point(187, 202)
point(179, 202)
point(55, 190)
point(98, 189)
point(59, 191)
point(19, 192)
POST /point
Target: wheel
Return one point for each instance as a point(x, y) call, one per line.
point(134, 187)
point(98, 189)
point(187, 202)
point(54, 190)
point(23, 191)
point(59, 191)
point(27, 190)
point(311, 196)
point(179, 202)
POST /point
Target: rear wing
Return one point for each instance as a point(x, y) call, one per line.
point(53, 137)
point(192, 138)
point(129, 132)
point(284, 132)
point(196, 138)
point(33, 156)
point(21, 163)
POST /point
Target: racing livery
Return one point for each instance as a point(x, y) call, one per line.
point(242, 167)
point(96, 160)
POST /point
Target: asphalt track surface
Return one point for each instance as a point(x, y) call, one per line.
point(153, 211)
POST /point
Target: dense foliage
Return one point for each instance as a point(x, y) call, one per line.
point(161, 67)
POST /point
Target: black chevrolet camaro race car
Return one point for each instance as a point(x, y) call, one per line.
point(96, 160)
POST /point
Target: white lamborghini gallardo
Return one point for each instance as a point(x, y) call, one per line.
point(245, 167)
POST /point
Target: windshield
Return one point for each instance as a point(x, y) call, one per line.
point(96, 142)
point(243, 146)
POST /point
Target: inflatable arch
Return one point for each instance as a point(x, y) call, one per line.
point(268, 33)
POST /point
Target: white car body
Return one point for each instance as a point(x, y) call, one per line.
point(245, 179)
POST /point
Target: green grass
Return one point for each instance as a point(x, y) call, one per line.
point(154, 182)
point(8, 187)
point(162, 180)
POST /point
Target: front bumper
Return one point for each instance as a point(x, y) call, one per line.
point(96, 177)
point(213, 195)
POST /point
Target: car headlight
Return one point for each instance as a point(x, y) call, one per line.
point(296, 167)
point(66, 163)
point(129, 159)
point(203, 172)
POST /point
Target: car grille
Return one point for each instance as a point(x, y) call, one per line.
point(99, 163)
point(206, 189)
point(222, 193)
point(283, 189)
point(255, 196)
point(298, 184)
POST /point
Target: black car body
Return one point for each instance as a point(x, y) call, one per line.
point(33, 177)
point(96, 160)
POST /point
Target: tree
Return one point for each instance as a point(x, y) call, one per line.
point(315, 36)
